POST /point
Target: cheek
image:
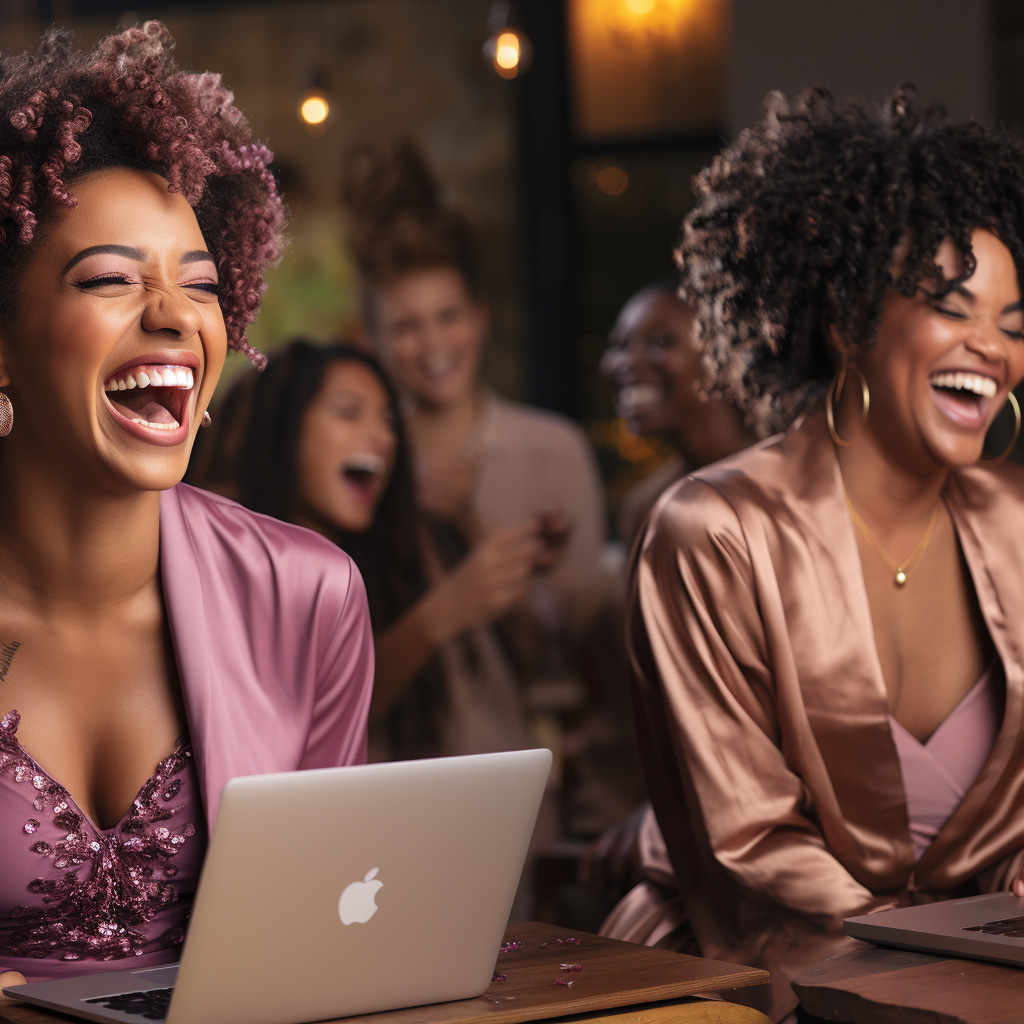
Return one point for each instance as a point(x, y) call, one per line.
point(400, 354)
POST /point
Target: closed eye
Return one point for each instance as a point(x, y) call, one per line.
point(203, 286)
point(952, 314)
point(102, 279)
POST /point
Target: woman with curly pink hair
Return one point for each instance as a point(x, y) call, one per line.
point(136, 219)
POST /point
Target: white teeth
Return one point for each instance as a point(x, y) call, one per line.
point(173, 425)
point(635, 396)
point(367, 462)
point(440, 363)
point(154, 376)
point(975, 383)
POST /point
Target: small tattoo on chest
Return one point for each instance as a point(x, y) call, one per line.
point(7, 653)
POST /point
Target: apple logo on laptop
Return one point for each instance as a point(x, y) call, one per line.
point(358, 902)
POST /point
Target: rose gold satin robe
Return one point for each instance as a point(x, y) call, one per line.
point(761, 710)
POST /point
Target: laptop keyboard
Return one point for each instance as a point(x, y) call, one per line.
point(1010, 926)
point(149, 1005)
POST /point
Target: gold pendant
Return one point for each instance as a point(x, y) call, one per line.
point(901, 577)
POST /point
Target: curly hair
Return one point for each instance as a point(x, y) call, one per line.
point(814, 215)
point(399, 222)
point(66, 112)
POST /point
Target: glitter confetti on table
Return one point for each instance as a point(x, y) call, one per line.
point(512, 945)
point(571, 967)
point(498, 976)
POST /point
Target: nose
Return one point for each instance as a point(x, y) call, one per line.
point(625, 357)
point(988, 341)
point(380, 437)
point(167, 309)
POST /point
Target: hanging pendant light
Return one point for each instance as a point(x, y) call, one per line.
point(508, 48)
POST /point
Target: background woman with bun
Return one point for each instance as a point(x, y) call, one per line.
point(825, 628)
point(136, 218)
point(481, 461)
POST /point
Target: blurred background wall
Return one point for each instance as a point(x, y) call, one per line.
point(577, 170)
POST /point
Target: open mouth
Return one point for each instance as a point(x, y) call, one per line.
point(964, 396)
point(438, 366)
point(364, 472)
point(154, 396)
point(638, 398)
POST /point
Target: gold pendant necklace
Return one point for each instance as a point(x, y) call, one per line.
point(900, 568)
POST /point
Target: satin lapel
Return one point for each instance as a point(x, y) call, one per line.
point(984, 525)
point(188, 621)
point(846, 701)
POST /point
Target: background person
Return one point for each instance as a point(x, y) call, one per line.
point(481, 461)
point(317, 439)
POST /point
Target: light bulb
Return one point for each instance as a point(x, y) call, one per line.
point(313, 107)
point(507, 48)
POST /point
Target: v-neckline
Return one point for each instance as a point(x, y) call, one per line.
point(180, 745)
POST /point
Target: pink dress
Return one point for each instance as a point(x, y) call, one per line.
point(938, 773)
point(71, 891)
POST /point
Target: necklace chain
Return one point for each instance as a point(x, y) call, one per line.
point(910, 562)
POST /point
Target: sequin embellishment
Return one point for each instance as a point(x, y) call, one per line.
point(95, 913)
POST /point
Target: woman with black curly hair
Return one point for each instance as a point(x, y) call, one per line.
point(136, 219)
point(828, 674)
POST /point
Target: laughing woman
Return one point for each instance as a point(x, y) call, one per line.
point(826, 628)
point(156, 640)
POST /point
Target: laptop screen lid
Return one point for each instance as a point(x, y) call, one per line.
point(988, 927)
point(339, 891)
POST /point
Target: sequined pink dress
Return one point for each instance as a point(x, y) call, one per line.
point(73, 892)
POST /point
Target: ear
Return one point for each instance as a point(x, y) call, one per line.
point(841, 348)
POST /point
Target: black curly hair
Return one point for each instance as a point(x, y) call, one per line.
point(811, 217)
point(66, 112)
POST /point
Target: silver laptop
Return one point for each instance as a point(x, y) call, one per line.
point(338, 891)
point(987, 927)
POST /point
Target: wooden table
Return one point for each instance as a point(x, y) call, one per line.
point(619, 983)
point(873, 985)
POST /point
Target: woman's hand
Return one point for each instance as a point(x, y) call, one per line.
point(1017, 885)
point(10, 978)
point(553, 529)
point(489, 581)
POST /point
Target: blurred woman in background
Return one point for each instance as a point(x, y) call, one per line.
point(481, 461)
point(653, 368)
point(317, 440)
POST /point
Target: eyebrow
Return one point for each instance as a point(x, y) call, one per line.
point(131, 253)
point(966, 293)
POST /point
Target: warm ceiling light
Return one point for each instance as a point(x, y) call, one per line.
point(507, 48)
point(612, 180)
point(314, 108)
point(506, 52)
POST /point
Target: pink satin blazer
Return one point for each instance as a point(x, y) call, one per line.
point(272, 640)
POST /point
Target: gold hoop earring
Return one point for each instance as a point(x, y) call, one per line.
point(6, 415)
point(835, 394)
point(994, 460)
